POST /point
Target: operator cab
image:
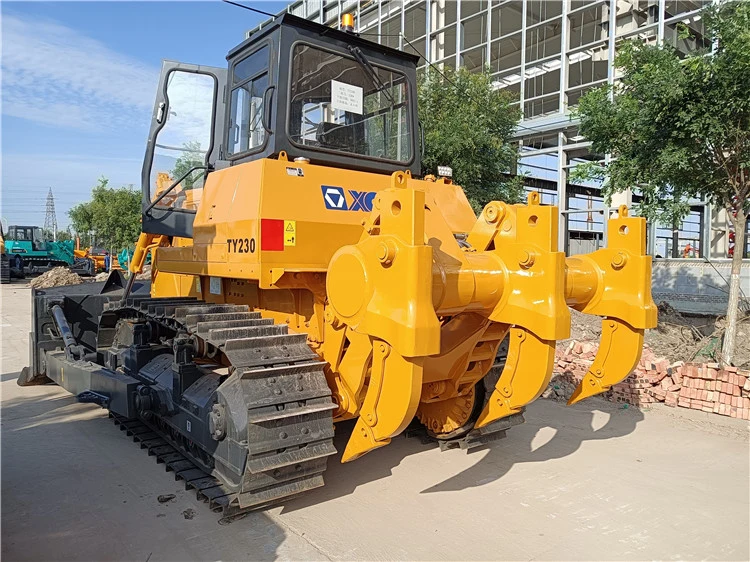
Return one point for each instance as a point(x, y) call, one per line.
point(293, 86)
point(32, 234)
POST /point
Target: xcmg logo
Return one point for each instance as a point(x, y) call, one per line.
point(336, 199)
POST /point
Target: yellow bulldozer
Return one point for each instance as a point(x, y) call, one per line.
point(303, 274)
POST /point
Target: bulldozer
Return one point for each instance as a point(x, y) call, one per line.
point(311, 277)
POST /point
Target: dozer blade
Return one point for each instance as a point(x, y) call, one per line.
point(619, 352)
point(527, 373)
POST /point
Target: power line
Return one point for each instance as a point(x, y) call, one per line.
point(256, 10)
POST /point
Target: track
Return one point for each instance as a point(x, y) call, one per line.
point(289, 426)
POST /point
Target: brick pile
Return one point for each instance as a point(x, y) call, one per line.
point(699, 386)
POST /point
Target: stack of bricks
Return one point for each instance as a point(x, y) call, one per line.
point(699, 386)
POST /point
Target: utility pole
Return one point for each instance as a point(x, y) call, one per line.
point(50, 218)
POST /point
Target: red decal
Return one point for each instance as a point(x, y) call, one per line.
point(271, 235)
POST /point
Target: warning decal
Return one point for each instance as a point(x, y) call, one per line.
point(290, 233)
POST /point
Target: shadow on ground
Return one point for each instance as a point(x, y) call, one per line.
point(572, 426)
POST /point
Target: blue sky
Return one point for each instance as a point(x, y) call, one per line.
point(78, 85)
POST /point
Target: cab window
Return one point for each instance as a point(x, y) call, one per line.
point(249, 83)
point(352, 106)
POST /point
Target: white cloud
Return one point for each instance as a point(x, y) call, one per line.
point(54, 76)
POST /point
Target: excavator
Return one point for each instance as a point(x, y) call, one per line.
point(310, 276)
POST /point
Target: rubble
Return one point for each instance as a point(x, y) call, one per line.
point(56, 277)
point(700, 386)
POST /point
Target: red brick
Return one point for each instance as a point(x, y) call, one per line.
point(730, 369)
point(712, 374)
point(735, 390)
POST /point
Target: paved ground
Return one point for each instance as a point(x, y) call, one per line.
point(589, 482)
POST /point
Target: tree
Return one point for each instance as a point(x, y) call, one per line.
point(680, 129)
point(467, 125)
point(192, 155)
point(113, 215)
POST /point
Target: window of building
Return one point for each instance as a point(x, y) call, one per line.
point(538, 142)
point(474, 32)
point(443, 43)
point(675, 8)
point(684, 241)
point(587, 66)
point(542, 10)
point(541, 166)
point(543, 41)
point(634, 14)
point(443, 13)
point(471, 7)
point(541, 106)
point(507, 18)
point(505, 53)
point(474, 59)
point(542, 80)
point(390, 30)
point(368, 20)
point(587, 26)
point(415, 20)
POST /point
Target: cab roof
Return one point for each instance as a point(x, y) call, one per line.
point(286, 19)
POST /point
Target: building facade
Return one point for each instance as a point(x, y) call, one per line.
point(549, 53)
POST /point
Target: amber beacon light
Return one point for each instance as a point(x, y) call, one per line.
point(347, 22)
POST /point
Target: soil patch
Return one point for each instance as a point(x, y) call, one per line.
point(56, 277)
point(677, 337)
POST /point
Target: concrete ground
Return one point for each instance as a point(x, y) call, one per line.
point(589, 482)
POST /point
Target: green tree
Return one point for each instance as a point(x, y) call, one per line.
point(113, 215)
point(192, 155)
point(467, 125)
point(680, 128)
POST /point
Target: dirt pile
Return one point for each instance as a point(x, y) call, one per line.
point(676, 338)
point(145, 274)
point(55, 278)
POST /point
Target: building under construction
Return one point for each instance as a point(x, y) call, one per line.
point(549, 53)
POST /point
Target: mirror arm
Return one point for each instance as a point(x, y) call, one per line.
point(174, 184)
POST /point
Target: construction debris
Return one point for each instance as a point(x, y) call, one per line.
point(56, 277)
point(677, 337)
point(699, 386)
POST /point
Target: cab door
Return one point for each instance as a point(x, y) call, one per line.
point(184, 143)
